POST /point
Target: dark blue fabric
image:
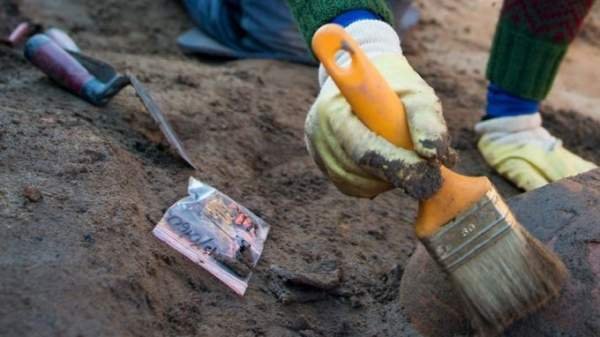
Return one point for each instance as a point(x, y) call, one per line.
point(251, 28)
point(347, 18)
point(501, 103)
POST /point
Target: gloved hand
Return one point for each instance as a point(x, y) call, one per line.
point(521, 150)
point(359, 162)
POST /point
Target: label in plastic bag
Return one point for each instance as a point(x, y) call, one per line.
point(215, 232)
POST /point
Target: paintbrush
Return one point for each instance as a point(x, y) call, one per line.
point(501, 271)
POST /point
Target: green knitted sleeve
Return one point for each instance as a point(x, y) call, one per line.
point(523, 64)
point(312, 14)
point(531, 40)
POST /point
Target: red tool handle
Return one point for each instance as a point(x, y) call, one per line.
point(55, 62)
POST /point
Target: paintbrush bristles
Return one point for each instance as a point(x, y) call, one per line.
point(507, 281)
point(501, 271)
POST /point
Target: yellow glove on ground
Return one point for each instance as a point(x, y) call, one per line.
point(359, 162)
point(521, 150)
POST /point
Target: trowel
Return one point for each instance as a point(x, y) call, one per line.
point(91, 79)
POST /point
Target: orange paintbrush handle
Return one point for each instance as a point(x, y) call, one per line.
point(362, 85)
point(379, 108)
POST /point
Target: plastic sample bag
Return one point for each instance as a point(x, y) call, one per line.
point(216, 233)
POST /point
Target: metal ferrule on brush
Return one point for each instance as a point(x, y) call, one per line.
point(471, 233)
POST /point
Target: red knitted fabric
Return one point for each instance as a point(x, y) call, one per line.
point(556, 20)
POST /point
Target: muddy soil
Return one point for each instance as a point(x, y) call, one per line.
point(82, 187)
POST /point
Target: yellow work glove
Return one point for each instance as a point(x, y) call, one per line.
point(521, 150)
point(359, 162)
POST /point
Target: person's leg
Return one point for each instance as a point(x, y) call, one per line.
point(217, 18)
point(406, 15)
point(272, 27)
point(531, 40)
point(250, 28)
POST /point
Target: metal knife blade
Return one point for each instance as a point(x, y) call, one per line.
point(159, 117)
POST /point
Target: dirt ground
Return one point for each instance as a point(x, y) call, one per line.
point(78, 258)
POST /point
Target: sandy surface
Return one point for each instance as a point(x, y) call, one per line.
point(80, 260)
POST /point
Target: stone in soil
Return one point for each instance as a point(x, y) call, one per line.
point(32, 193)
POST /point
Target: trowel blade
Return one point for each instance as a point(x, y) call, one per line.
point(159, 117)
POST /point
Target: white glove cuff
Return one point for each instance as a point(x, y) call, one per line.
point(526, 129)
point(375, 37)
point(509, 124)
